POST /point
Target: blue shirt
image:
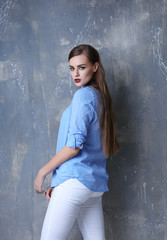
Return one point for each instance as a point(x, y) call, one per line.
point(79, 128)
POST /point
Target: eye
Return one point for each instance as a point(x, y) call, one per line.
point(82, 68)
point(71, 68)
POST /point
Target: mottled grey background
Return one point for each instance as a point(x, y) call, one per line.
point(35, 87)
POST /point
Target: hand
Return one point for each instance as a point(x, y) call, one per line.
point(48, 193)
point(38, 182)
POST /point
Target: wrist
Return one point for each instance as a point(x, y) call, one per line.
point(42, 172)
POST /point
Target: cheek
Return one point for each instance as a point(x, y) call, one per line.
point(89, 74)
point(71, 73)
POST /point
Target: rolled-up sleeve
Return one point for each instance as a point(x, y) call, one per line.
point(82, 114)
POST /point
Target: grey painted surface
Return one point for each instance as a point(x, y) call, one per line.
point(35, 87)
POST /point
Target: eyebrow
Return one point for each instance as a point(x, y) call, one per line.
point(79, 65)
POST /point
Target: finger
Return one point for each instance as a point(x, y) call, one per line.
point(38, 190)
point(41, 192)
point(49, 193)
point(47, 196)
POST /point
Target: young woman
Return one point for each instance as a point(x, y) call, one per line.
point(86, 137)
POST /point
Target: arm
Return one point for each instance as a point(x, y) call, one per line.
point(82, 114)
point(62, 156)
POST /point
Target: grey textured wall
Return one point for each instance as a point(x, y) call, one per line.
point(35, 87)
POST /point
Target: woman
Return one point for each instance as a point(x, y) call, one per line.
point(86, 137)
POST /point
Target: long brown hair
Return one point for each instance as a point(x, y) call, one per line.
point(107, 121)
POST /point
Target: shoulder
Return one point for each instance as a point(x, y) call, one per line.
point(85, 94)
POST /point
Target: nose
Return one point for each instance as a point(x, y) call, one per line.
point(76, 72)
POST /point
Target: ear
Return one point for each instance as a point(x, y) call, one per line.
point(95, 66)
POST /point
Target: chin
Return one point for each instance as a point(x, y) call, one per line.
point(79, 85)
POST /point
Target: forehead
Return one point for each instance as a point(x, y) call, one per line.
point(78, 60)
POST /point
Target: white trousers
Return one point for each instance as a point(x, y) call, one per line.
point(72, 201)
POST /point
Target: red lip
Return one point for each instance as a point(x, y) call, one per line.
point(77, 80)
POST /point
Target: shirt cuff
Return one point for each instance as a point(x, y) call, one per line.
point(75, 141)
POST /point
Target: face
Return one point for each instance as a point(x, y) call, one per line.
point(81, 69)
